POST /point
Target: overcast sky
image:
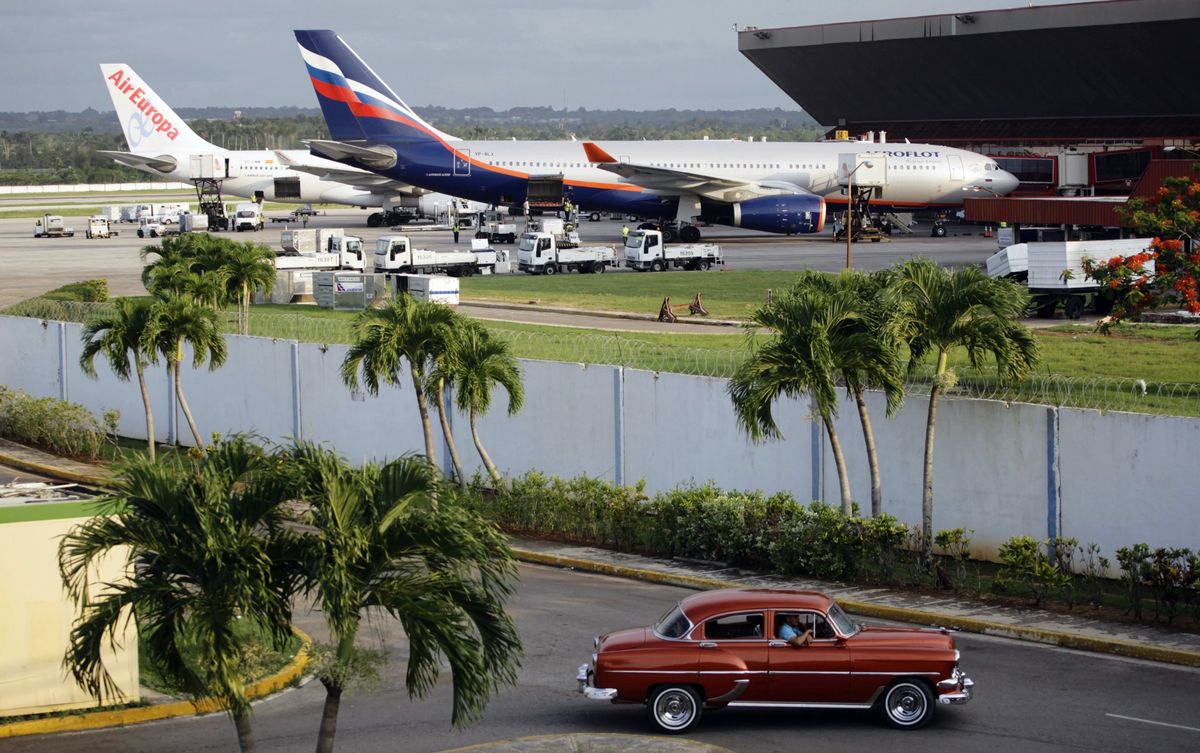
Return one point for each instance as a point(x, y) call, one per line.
point(598, 54)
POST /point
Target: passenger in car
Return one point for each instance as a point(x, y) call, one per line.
point(791, 631)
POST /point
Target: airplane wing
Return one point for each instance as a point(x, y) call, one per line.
point(361, 179)
point(672, 181)
point(374, 157)
point(163, 163)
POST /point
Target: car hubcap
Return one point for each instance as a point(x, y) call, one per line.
point(674, 709)
point(907, 704)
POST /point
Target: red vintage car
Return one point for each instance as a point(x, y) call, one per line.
point(727, 648)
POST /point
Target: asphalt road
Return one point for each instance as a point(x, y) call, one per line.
point(1029, 698)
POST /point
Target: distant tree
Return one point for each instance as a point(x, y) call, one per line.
point(478, 363)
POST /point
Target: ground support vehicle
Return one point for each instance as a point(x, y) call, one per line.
point(645, 250)
point(778, 649)
point(320, 248)
point(100, 226)
point(248, 216)
point(308, 240)
point(1053, 273)
point(395, 253)
point(150, 227)
point(540, 253)
point(51, 226)
point(497, 228)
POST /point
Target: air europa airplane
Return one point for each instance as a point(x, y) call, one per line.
point(775, 187)
point(161, 143)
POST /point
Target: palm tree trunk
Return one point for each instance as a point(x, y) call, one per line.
point(141, 376)
point(872, 454)
point(426, 426)
point(448, 434)
point(839, 459)
point(245, 310)
point(927, 478)
point(187, 412)
point(329, 715)
point(245, 731)
point(483, 455)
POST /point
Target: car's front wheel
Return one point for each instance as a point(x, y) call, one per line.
point(908, 704)
point(675, 709)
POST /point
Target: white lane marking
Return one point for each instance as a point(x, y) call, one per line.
point(1148, 721)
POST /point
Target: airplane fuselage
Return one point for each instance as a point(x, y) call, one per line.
point(919, 175)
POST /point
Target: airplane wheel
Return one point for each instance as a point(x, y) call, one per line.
point(375, 220)
point(689, 234)
point(670, 235)
point(939, 231)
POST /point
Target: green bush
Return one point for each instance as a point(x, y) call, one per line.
point(1170, 576)
point(87, 291)
point(1028, 565)
point(49, 423)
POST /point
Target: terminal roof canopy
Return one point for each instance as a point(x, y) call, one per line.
point(1099, 69)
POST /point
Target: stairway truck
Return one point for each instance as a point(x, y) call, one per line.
point(645, 250)
point(395, 254)
point(540, 253)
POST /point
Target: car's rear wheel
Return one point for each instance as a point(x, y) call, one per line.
point(675, 709)
point(908, 704)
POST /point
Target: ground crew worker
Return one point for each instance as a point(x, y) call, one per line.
point(624, 233)
point(455, 230)
point(567, 208)
point(526, 208)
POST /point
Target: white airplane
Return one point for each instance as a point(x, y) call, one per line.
point(161, 143)
point(775, 187)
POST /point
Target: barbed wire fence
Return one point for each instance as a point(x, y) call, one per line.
point(628, 350)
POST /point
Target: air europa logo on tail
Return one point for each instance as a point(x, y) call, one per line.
point(154, 120)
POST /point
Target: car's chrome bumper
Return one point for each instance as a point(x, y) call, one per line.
point(960, 687)
point(584, 678)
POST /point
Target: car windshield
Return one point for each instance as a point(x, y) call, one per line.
point(633, 241)
point(246, 213)
point(845, 625)
point(527, 243)
point(674, 624)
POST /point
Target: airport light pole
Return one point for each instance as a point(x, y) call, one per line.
point(850, 206)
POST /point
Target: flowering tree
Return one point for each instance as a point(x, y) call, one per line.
point(1172, 215)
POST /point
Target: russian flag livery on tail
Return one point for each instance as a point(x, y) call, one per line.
point(778, 187)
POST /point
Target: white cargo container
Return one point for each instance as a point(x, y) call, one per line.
point(435, 288)
point(309, 240)
point(112, 213)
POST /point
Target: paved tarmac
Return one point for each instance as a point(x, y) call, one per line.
point(1077, 630)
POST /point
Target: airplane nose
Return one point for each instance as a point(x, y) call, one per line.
point(1005, 182)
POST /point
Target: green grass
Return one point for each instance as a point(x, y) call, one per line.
point(259, 659)
point(727, 294)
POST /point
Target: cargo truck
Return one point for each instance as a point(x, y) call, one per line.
point(645, 250)
point(51, 226)
point(99, 227)
point(497, 227)
point(394, 253)
point(541, 253)
point(1053, 273)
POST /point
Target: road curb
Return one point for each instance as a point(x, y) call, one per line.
point(572, 742)
point(52, 470)
point(868, 609)
point(139, 714)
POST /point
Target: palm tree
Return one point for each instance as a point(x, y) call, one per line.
point(206, 550)
point(481, 362)
point(797, 360)
point(379, 542)
point(247, 267)
point(120, 336)
point(176, 320)
point(945, 309)
point(404, 330)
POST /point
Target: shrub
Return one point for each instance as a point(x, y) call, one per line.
point(1134, 574)
point(1027, 564)
point(87, 291)
point(49, 423)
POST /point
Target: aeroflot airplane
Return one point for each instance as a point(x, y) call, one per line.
point(773, 187)
point(161, 143)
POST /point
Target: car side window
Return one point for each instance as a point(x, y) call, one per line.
point(742, 626)
point(816, 622)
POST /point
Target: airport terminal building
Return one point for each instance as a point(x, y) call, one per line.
point(1095, 101)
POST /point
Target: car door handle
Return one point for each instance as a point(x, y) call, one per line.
point(777, 644)
point(707, 644)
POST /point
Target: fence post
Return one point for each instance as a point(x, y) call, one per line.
point(619, 418)
point(1053, 483)
point(62, 361)
point(297, 419)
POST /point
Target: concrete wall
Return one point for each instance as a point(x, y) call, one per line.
point(1000, 469)
point(38, 617)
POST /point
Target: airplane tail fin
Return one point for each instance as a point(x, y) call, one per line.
point(147, 121)
point(357, 104)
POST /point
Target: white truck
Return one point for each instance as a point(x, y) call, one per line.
point(150, 227)
point(248, 216)
point(51, 226)
point(541, 253)
point(1053, 272)
point(320, 248)
point(394, 253)
point(99, 226)
point(644, 250)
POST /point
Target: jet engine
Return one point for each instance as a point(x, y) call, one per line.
point(785, 213)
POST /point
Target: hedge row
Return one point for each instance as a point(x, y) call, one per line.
point(53, 425)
